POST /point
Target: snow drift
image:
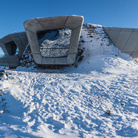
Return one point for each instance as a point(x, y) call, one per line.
point(97, 97)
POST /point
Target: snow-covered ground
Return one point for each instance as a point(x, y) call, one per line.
point(55, 43)
point(98, 97)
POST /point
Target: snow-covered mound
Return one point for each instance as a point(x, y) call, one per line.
point(97, 97)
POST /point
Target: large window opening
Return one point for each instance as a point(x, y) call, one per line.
point(1, 53)
point(54, 42)
point(11, 48)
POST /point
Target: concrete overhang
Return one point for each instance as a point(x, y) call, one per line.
point(12, 59)
point(125, 39)
point(72, 22)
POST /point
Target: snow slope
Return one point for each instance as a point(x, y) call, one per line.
point(72, 102)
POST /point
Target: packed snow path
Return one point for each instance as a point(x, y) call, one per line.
point(73, 101)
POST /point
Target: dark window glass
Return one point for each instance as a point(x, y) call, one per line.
point(11, 48)
point(55, 42)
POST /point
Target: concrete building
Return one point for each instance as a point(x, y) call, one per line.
point(125, 39)
point(34, 26)
point(13, 46)
point(54, 41)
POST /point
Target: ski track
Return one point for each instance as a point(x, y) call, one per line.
point(74, 103)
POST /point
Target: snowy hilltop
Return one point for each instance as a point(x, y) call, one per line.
point(95, 97)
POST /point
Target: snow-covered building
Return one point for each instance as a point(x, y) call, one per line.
point(54, 41)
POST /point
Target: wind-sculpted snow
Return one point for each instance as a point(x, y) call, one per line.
point(72, 102)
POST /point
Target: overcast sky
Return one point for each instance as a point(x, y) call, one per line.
point(116, 13)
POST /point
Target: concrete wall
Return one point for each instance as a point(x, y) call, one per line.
point(125, 39)
point(39, 24)
point(20, 41)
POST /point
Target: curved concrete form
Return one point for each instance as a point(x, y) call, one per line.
point(72, 22)
point(10, 44)
point(125, 39)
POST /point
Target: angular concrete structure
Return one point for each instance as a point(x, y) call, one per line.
point(10, 44)
point(125, 39)
point(34, 25)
